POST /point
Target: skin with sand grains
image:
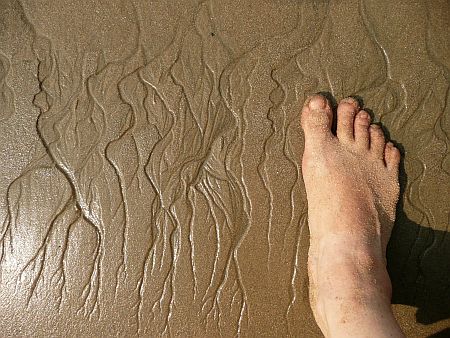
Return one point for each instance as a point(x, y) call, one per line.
point(352, 188)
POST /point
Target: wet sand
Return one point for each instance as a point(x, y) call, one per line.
point(150, 158)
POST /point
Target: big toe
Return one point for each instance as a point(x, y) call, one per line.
point(317, 118)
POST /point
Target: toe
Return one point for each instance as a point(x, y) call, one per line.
point(346, 112)
point(391, 156)
point(317, 118)
point(362, 123)
point(376, 141)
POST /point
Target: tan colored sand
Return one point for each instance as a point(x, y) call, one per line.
point(150, 160)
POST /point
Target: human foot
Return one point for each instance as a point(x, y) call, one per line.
point(352, 188)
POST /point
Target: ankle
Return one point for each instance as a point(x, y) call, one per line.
point(358, 273)
point(350, 280)
point(362, 253)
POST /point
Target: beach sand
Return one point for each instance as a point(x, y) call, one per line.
point(150, 159)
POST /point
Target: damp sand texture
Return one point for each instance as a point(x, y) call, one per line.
point(150, 157)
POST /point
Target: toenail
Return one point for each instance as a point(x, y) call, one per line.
point(352, 101)
point(317, 102)
point(363, 115)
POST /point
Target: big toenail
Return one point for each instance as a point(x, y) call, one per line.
point(317, 102)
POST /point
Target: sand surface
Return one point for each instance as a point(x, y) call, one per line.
point(150, 160)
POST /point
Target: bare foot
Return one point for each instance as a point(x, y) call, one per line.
point(352, 189)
